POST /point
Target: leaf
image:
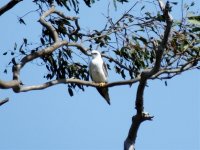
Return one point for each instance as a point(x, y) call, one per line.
point(122, 1)
point(80, 86)
point(21, 21)
point(115, 5)
point(175, 3)
point(165, 83)
point(117, 52)
point(33, 51)
point(131, 74)
point(5, 71)
point(108, 66)
point(117, 69)
point(196, 29)
point(88, 2)
point(70, 91)
point(13, 61)
point(142, 7)
point(21, 50)
point(47, 67)
point(192, 4)
point(75, 5)
point(5, 53)
point(74, 38)
point(123, 74)
point(15, 46)
point(25, 41)
point(48, 76)
point(69, 53)
point(194, 20)
point(42, 41)
point(143, 40)
point(64, 2)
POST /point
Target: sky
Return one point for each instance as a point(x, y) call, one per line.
point(52, 120)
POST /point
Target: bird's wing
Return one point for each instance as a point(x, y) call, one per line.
point(90, 70)
point(105, 71)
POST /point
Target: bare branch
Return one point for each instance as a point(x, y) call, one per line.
point(61, 14)
point(80, 47)
point(47, 24)
point(8, 84)
point(161, 4)
point(9, 6)
point(76, 81)
point(188, 65)
point(136, 121)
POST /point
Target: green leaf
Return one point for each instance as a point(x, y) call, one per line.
point(194, 20)
point(185, 47)
point(74, 38)
point(196, 29)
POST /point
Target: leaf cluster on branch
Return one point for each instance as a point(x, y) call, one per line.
point(131, 43)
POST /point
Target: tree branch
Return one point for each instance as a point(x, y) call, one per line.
point(8, 84)
point(48, 25)
point(24, 88)
point(129, 143)
point(9, 6)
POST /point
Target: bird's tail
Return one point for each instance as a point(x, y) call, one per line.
point(104, 92)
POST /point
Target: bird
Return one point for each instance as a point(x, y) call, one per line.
point(99, 74)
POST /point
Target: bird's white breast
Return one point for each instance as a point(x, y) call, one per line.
point(97, 70)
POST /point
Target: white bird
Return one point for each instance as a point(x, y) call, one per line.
point(98, 73)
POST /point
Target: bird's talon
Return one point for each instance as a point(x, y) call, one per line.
point(102, 84)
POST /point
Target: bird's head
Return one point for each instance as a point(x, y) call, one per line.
point(95, 54)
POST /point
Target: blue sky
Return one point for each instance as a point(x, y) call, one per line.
point(52, 120)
